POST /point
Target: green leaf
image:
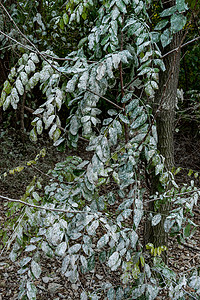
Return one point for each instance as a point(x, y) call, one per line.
point(36, 269)
point(181, 5)
point(166, 37)
point(169, 11)
point(111, 294)
point(186, 230)
point(113, 259)
point(33, 135)
point(66, 18)
point(31, 290)
point(7, 87)
point(124, 119)
point(161, 24)
point(156, 219)
point(178, 21)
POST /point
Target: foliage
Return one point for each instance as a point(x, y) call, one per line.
point(92, 210)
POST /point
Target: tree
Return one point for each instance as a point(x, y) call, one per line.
point(117, 61)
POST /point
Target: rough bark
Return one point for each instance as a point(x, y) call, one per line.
point(164, 106)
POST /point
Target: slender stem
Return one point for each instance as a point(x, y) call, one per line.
point(45, 208)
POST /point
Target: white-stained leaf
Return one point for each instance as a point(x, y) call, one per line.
point(113, 259)
point(38, 111)
point(61, 249)
point(31, 290)
point(156, 219)
point(91, 229)
point(25, 261)
point(39, 127)
point(52, 130)
point(19, 86)
point(84, 296)
point(30, 248)
point(47, 250)
point(103, 241)
point(24, 77)
point(83, 261)
point(178, 21)
point(74, 249)
point(49, 121)
point(36, 269)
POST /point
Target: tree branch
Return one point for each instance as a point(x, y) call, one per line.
point(45, 208)
point(177, 49)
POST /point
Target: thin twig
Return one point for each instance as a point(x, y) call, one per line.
point(170, 196)
point(176, 49)
point(47, 208)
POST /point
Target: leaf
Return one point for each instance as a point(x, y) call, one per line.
point(38, 111)
point(49, 121)
point(30, 248)
point(74, 125)
point(161, 24)
point(166, 38)
point(24, 77)
point(181, 5)
point(178, 21)
point(36, 269)
point(83, 261)
point(61, 249)
point(19, 86)
point(39, 127)
point(111, 294)
point(124, 119)
point(66, 18)
point(113, 259)
point(47, 250)
point(137, 217)
point(83, 81)
point(156, 219)
point(74, 249)
point(169, 11)
point(33, 135)
point(134, 238)
point(122, 7)
point(52, 130)
point(31, 290)
point(103, 241)
point(25, 261)
point(91, 230)
point(83, 296)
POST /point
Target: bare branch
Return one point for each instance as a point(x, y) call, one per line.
point(177, 49)
point(46, 208)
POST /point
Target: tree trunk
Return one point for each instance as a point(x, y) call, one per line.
point(164, 107)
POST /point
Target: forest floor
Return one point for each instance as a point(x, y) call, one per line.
point(13, 153)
